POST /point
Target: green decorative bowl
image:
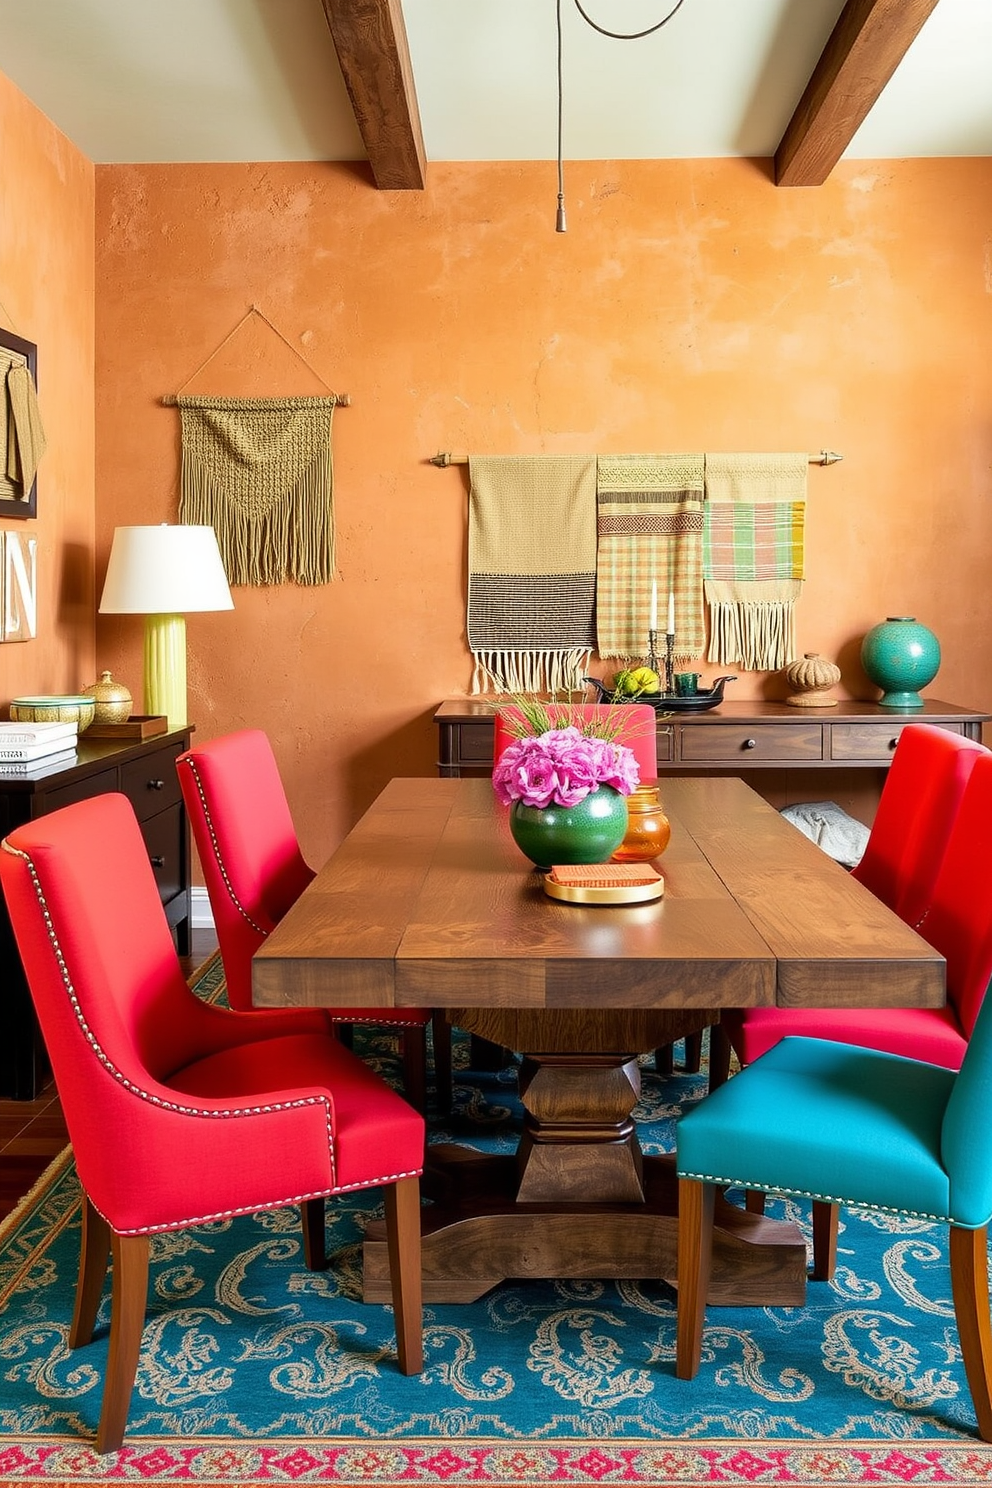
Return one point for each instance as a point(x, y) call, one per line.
point(66, 708)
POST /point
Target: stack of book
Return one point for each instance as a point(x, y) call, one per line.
point(28, 746)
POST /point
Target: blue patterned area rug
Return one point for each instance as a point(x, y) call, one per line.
point(254, 1370)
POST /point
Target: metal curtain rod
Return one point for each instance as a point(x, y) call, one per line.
point(825, 457)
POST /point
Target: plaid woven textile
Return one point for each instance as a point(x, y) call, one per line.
point(650, 526)
point(532, 571)
point(754, 557)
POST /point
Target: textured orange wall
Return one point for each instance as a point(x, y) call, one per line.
point(690, 305)
point(46, 296)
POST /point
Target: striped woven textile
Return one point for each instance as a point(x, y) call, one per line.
point(754, 557)
point(532, 571)
point(650, 526)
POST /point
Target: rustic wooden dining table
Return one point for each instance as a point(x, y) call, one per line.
point(429, 902)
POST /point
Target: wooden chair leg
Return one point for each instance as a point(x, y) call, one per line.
point(720, 1052)
point(441, 1037)
point(485, 1055)
point(664, 1059)
point(415, 1066)
point(825, 1221)
point(693, 1052)
point(314, 1250)
point(403, 1246)
point(94, 1256)
point(970, 1289)
point(754, 1200)
point(127, 1319)
point(696, 1205)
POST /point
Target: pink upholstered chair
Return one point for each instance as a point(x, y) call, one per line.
point(638, 731)
point(254, 872)
point(178, 1111)
point(918, 815)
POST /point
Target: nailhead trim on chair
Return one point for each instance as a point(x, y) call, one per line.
point(370, 1018)
point(802, 1193)
point(189, 764)
point(228, 1113)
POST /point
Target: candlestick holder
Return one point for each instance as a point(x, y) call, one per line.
point(669, 687)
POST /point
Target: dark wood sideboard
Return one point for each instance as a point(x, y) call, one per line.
point(787, 754)
point(144, 771)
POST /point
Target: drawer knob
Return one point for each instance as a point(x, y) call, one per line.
point(750, 743)
point(894, 742)
point(158, 862)
point(156, 785)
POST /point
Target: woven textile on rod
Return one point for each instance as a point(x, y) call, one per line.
point(259, 471)
point(532, 571)
point(754, 556)
point(650, 527)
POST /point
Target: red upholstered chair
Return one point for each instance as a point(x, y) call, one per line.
point(255, 872)
point(638, 731)
point(178, 1111)
point(924, 848)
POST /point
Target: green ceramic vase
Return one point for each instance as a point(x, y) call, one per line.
point(900, 656)
point(587, 833)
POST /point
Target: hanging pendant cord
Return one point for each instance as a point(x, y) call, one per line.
point(560, 223)
point(628, 35)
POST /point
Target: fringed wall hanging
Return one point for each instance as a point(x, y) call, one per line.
point(754, 557)
point(532, 571)
point(259, 471)
point(650, 527)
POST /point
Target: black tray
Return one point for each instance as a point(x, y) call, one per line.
point(697, 702)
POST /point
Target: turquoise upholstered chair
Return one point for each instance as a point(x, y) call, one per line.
point(841, 1124)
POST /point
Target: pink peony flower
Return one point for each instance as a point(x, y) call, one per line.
point(562, 766)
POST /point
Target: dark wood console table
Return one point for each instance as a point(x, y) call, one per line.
point(779, 749)
point(144, 771)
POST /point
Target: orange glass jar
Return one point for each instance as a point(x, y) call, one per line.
point(648, 828)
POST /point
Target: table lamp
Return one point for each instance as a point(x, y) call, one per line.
point(164, 573)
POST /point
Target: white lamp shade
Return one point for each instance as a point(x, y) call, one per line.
point(164, 571)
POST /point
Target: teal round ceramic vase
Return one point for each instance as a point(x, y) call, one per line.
point(900, 656)
point(587, 833)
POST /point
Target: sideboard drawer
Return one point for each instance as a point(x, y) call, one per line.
point(872, 741)
point(152, 783)
point(79, 790)
point(665, 744)
point(720, 743)
point(475, 743)
point(164, 840)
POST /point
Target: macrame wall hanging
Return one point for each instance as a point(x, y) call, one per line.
point(259, 471)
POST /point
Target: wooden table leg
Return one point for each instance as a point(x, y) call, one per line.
point(578, 1199)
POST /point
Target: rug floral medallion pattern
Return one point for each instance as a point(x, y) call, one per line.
point(254, 1370)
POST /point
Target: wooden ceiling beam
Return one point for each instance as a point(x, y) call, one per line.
point(867, 44)
point(371, 42)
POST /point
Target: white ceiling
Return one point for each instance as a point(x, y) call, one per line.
point(233, 80)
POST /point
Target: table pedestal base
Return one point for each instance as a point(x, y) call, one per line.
point(483, 1236)
point(579, 1199)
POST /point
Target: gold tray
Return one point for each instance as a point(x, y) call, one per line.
point(617, 894)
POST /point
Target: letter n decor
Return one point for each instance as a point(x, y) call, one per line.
point(18, 587)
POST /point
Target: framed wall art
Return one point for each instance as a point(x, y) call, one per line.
point(22, 439)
